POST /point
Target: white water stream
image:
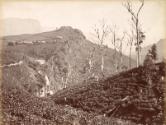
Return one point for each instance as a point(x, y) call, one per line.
point(12, 64)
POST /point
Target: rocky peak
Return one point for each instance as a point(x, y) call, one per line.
point(71, 32)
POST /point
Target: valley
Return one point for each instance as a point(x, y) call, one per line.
point(56, 78)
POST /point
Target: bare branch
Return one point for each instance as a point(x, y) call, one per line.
point(102, 32)
point(142, 4)
point(135, 20)
point(128, 6)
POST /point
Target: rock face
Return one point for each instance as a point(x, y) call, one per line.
point(66, 57)
point(128, 95)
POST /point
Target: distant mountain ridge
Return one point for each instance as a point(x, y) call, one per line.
point(16, 26)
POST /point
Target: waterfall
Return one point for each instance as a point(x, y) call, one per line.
point(47, 80)
point(45, 90)
point(48, 86)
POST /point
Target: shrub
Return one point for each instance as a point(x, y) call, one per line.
point(10, 44)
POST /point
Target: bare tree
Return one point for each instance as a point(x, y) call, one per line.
point(136, 21)
point(114, 43)
point(90, 61)
point(117, 42)
point(121, 41)
point(101, 34)
point(130, 40)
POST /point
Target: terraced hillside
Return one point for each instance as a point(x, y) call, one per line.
point(129, 95)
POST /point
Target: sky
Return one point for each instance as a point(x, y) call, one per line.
point(85, 14)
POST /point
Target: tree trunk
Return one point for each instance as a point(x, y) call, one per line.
point(138, 56)
point(90, 65)
point(138, 47)
point(130, 58)
point(102, 63)
point(121, 56)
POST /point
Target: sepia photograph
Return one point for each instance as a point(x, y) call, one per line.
point(80, 62)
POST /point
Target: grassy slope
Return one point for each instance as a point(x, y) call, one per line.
point(103, 96)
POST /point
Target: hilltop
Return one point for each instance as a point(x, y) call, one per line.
point(66, 56)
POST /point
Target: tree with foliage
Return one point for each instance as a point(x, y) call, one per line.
point(148, 59)
point(151, 56)
point(149, 64)
point(10, 43)
point(154, 52)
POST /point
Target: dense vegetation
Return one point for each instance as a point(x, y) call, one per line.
point(21, 107)
point(20, 82)
point(128, 95)
point(131, 97)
